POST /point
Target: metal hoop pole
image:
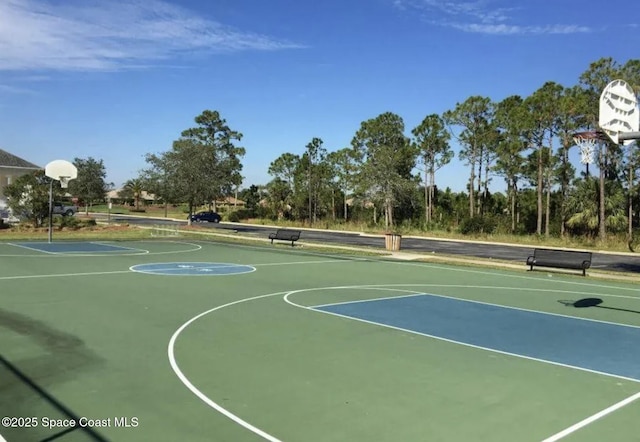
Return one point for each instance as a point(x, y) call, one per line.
point(50, 210)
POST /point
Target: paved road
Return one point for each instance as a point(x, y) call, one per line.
point(611, 262)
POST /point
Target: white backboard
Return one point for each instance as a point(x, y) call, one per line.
point(61, 168)
point(619, 110)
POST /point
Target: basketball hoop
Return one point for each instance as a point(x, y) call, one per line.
point(62, 171)
point(587, 142)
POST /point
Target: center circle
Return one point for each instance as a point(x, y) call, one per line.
point(192, 268)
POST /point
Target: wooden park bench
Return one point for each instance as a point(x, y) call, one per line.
point(285, 235)
point(561, 259)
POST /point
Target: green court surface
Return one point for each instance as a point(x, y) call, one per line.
point(180, 339)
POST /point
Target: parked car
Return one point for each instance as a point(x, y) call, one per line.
point(7, 217)
point(64, 210)
point(207, 215)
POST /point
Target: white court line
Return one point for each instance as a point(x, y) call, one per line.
point(230, 264)
point(57, 275)
point(31, 248)
point(224, 265)
point(299, 262)
point(158, 272)
point(115, 246)
point(183, 378)
point(79, 252)
point(384, 298)
point(583, 423)
point(140, 252)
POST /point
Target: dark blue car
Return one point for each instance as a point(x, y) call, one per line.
point(209, 216)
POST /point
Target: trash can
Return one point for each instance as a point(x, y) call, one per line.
point(392, 241)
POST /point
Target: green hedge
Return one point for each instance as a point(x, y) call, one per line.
point(71, 222)
point(478, 224)
point(238, 215)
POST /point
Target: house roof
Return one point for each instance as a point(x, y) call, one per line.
point(144, 195)
point(230, 200)
point(9, 160)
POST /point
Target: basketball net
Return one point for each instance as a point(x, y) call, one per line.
point(587, 148)
point(64, 182)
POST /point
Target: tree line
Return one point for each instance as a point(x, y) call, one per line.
point(523, 140)
point(386, 178)
point(203, 165)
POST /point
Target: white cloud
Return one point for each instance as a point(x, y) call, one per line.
point(111, 35)
point(480, 17)
point(504, 29)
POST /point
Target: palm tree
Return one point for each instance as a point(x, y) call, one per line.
point(135, 187)
point(583, 206)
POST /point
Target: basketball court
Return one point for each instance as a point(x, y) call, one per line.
point(202, 340)
point(178, 338)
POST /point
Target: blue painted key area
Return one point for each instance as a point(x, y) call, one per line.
point(74, 247)
point(607, 348)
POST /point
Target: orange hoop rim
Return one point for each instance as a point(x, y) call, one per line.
point(590, 135)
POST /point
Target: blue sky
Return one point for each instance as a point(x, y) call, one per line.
point(116, 79)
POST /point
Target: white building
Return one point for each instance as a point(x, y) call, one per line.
point(11, 167)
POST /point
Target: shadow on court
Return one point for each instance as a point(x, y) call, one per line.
point(60, 357)
point(594, 302)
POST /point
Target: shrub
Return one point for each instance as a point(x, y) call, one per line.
point(233, 217)
point(73, 223)
point(70, 222)
point(478, 224)
point(241, 214)
point(88, 222)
